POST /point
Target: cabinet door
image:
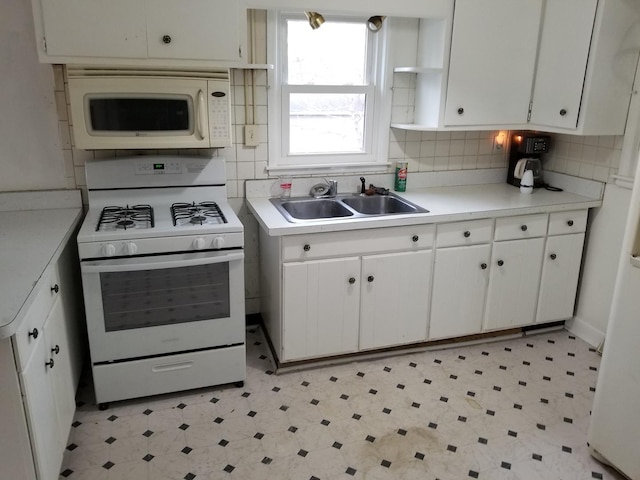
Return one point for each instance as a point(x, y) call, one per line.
point(394, 305)
point(197, 29)
point(560, 271)
point(40, 403)
point(513, 283)
point(321, 300)
point(95, 28)
point(493, 53)
point(562, 62)
point(460, 280)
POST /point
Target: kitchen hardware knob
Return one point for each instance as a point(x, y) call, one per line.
point(307, 247)
point(166, 39)
point(56, 349)
point(50, 363)
point(467, 234)
point(483, 266)
point(563, 112)
point(55, 288)
point(370, 278)
point(352, 280)
point(198, 243)
point(415, 238)
point(523, 228)
point(460, 111)
point(218, 242)
point(500, 263)
point(570, 223)
point(34, 333)
point(109, 250)
point(131, 248)
point(553, 256)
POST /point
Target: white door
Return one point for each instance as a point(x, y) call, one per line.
point(460, 279)
point(320, 307)
point(513, 283)
point(394, 305)
point(560, 271)
point(95, 28)
point(197, 29)
point(493, 53)
point(562, 62)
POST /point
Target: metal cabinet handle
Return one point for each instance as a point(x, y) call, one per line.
point(467, 234)
point(500, 263)
point(563, 112)
point(55, 288)
point(352, 280)
point(460, 111)
point(34, 333)
point(50, 363)
point(307, 247)
point(570, 223)
point(483, 266)
point(553, 256)
point(523, 228)
point(56, 349)
point(370, 278)
point(415, 238)
point(166, 39)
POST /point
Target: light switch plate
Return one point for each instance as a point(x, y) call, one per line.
point(251, 135)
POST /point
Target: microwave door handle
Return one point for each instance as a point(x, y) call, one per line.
point(200, 112)
point(100, 266)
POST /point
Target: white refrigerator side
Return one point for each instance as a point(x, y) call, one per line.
point(614, 431)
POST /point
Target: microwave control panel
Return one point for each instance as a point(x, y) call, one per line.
point(219, 113)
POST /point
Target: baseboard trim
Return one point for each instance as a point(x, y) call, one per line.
point(585, 331)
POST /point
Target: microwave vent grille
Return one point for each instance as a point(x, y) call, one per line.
point(86, 71)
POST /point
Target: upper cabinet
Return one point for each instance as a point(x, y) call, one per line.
point(141, 32)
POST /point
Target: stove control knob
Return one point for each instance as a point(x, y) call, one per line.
point(218, 242)
point(198, 243)
point(109, 250)
point(131, 248)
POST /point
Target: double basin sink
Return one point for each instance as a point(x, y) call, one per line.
point(349, 206)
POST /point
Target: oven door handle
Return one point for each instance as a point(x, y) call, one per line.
point(152, 263)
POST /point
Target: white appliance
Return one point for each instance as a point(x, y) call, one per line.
point(614, 430)
point(161, 257)
point(125, 108)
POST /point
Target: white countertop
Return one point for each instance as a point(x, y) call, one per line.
point(30, 240)
point(445, 204)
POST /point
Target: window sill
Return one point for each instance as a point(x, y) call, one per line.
point(362, 167)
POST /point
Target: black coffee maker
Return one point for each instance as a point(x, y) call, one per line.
point(525, 154)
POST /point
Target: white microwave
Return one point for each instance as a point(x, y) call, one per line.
point(119, 109)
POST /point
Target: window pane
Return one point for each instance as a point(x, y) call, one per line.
point(326, 123)
point(334, 54)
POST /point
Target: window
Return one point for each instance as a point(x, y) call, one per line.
point(326, 94)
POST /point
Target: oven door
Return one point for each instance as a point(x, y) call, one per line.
point(154, 305)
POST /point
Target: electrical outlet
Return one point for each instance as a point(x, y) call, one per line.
point(251, 135)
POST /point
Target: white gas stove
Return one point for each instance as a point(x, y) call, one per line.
point(162, 268)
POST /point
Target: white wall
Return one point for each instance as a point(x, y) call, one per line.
point(31, 156)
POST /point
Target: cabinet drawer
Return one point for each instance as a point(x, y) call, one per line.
point(574, 221)
point(31, 331)
point(357, 242)
point(464, 233)
point(524, 226)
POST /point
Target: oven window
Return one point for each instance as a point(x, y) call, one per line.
point(125, 114)
point(149, 298)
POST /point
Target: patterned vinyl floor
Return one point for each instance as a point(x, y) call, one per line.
point(513, 409)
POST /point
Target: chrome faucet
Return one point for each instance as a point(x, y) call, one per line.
point(325, 190)
point(333, 188)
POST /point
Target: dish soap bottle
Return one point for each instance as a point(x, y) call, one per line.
point(526, 183)
point(400, 184)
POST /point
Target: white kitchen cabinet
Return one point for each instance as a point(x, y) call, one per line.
point(321, 301)
point(492, 63)
point(140, 32)
point(562, 61)
point(394, 298)
point(460, 279)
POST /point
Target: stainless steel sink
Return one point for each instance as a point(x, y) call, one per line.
point(305, 209)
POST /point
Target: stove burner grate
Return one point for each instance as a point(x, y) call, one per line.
point(196, 213)
point(123, 218)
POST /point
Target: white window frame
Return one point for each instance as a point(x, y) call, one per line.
point(377, 110)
